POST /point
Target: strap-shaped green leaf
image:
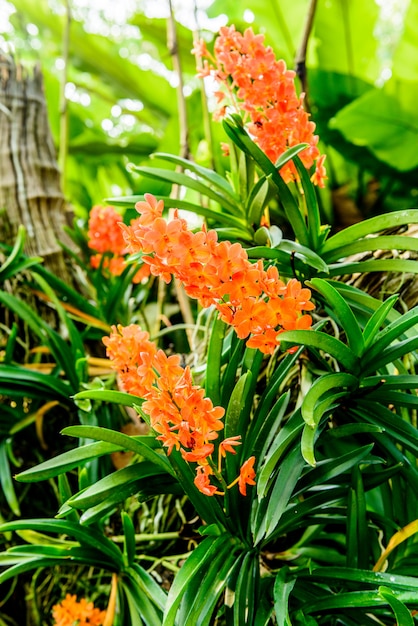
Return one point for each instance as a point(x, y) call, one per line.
point(402, 613)
point(284, 440)
point(382, 242)
point(66, 461)
point(235, 130)
point(178, 178)
point(278, 497)
point(215, 179)
point(119, 439)
point(363, 577)
point(85, 536)
point(393, 332)
point(213, 373)
point(256, 200)
point(312, 208)
point(389, 355)
point(339, 307)
point(283, 586)
point(322, 341)
point(324, 385)
point(109, 395)
point(376, 321)
point(373, 265)
point(367, 227)
point(6, 480)
point(190, 574)
point(199, 602)
point(113, 482)
point(16, 380)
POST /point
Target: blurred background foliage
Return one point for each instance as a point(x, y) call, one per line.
point(121, 93)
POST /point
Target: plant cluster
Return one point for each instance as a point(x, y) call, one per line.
point(288, 431)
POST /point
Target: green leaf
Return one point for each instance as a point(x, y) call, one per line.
point(402, 614)
point(278, 497)
point(129, 546)
point(124, 441)
point(377, 120)
point(376, 320)
point(85, 536)
point(244, 599)
point(202, 594)
point(256, 200)
point(177, 178)
point(213, 178)
point(320, 387)
point(368, 244)
point(109, 395)
point(235, 130)
point(339, 307)
point(191, 573)
point(6, 480)
point(214, 358)
point(103, 489)
point(322, 341)
point(366, 227)
point(373, 265)
point(282, 442)
point(312, 208)
point(233, 419)
point(16, 380)
point(283, 586)
point(67, 461)
point(220, 217)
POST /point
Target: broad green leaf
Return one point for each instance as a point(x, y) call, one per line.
point(377, 120)
point(345, 32)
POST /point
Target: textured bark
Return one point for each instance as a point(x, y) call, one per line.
point(30, 192)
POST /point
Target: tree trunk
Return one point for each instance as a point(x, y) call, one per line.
point(30, 192)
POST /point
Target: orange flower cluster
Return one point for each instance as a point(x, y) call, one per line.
point(106, 238)
point(178, 410)
point(83, 613)
point(251, 299)
point(253, 81)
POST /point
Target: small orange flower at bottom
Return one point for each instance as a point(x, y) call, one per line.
point(83, 613)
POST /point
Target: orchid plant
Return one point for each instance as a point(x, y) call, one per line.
point(291, 424)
